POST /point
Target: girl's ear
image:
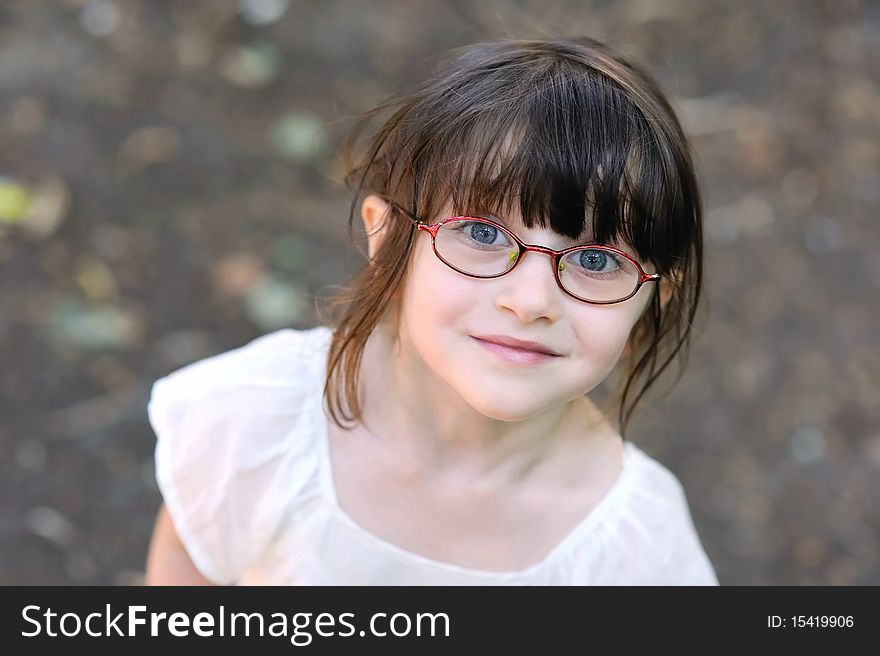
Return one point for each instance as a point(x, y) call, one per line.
point(373, 210)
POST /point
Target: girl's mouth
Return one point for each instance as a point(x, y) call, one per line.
point(515, 355)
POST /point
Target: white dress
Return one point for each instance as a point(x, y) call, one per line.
point(242, 462)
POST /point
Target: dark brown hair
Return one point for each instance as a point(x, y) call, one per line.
point(571, 131)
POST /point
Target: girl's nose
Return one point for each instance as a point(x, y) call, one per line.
point(530, 288)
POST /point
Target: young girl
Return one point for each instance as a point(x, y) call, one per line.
point(533, 219)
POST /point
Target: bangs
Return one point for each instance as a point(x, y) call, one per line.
point(564, 145)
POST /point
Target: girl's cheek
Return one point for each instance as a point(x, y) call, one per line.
point(420, 286)
point(602, 334)
point(441, 295)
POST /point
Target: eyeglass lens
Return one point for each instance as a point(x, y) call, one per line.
point(480, 249)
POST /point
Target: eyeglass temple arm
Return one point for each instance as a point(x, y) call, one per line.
point(412, 216)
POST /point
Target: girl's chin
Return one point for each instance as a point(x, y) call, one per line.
point(498, 399)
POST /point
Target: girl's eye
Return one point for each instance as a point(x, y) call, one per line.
point(599, 262)
point(483, 234)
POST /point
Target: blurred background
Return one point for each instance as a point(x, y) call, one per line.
point(169, 189)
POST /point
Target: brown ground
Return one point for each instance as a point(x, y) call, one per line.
point(182, 208)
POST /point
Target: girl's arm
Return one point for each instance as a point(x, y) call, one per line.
point(168, 562)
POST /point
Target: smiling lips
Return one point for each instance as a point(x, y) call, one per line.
point(515, 354)
point(518, 344)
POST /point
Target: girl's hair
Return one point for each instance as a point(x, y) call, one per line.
point(571, 130)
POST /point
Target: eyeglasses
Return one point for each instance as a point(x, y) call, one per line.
point(481, 248)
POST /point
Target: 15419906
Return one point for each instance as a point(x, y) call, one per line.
point(806, 621)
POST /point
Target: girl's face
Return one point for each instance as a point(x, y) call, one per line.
point(443, 311)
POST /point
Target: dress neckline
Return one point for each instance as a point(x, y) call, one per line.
point(327, 483)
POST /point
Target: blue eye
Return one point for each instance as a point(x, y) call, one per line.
point(597, 261)
point(482, 232)
point(477, 234)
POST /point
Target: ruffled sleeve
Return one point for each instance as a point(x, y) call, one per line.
point(234, 447)
point(664, 514)
point(686, 560)
point(653, 540)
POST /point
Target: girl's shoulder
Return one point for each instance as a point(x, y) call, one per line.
point(657, 481)
point(266, 381)
point(278, 357)
point(658, 513)
point(236, 443)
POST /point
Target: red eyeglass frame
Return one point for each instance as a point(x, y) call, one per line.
point(523, 248)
